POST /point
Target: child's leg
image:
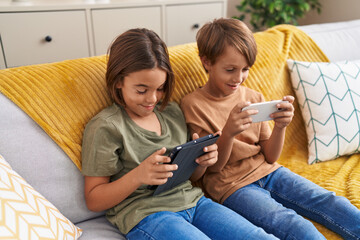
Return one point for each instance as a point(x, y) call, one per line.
point(219, 222)
point(259, 207)
point(165, 226)
point(315, 202)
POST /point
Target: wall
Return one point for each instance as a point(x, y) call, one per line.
point(332, 11)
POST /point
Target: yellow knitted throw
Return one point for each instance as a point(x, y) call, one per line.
point(62, 97)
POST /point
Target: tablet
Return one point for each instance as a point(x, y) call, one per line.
point(265, 109)
point(184, 156)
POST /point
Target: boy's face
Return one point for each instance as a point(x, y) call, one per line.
point(227, 73)
point(142, 90)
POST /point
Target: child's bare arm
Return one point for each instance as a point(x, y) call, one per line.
point(272, 147)
point(101, 194)
point(237, 122)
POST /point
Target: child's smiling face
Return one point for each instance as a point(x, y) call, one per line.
point(227, 73)
point(142, 90)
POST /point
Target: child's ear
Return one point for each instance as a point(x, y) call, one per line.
point(206, 63)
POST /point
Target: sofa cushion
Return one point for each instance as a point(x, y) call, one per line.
point(22, 207)
point(99, 229)
point(339, 40)
point(329, 99)
point(41, 162)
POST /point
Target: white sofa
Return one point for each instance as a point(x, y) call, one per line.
point(45, 166)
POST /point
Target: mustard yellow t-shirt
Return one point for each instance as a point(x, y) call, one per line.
point(113, 145)
point(207, 114)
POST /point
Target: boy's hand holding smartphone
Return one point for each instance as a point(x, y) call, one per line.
point(238, 120)
point(243, 114)
point(266, 111)
point(283, 119)
point(281, 111)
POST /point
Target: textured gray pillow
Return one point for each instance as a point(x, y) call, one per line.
point(41, 162)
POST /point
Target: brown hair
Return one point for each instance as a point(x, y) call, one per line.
point(136, 50)
point(214, 36)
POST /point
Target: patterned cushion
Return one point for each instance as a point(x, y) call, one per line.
point(329, 99)
point(26, 214)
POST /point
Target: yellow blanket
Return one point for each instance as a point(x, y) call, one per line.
point(62, 97)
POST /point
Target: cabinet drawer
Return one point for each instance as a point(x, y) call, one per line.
point(183, 21)
point(38, 37)
point(109, 23)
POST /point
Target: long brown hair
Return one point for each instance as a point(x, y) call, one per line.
point(135, 50)
point(214, 36)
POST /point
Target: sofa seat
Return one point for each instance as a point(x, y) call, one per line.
point(99, 229)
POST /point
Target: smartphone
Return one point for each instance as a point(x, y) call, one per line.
point(264, 110)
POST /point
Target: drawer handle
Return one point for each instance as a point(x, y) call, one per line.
point(48, 38)
point(196, 26)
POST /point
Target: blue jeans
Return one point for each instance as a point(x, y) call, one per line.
point(275, 202)
point(207, 220)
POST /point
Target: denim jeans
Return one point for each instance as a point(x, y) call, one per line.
point(275, 202)
point(207, 220)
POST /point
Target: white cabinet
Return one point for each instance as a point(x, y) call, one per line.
point(49, 31)
point(109, 23)
point(183, 21)
point(38, 37)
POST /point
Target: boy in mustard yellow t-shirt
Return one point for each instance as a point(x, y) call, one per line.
point(246, 177)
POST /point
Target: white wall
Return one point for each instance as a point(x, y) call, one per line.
point(332, 11)
point(231, 9)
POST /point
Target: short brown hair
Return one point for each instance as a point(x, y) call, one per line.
point(214, 36)
point(135, 50)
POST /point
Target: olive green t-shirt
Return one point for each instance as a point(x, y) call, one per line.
point(113, 145)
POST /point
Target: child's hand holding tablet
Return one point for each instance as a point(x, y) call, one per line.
point(184, 156)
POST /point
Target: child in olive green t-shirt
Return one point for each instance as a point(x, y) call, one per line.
point(125, 149)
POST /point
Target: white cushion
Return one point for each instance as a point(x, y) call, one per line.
point(329, 99)
point(339, 40)
point(26, 214)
